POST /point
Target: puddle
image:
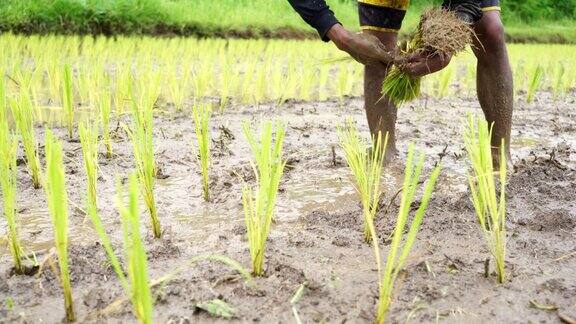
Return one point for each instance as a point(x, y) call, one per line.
point(332, 190)
point(36, 232)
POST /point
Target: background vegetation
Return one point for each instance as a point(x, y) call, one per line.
point(526, 20)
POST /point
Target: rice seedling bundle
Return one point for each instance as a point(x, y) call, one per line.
point(258, 204)
point(57, 198)
point(143, 146)
point(135, 253)
point(402, 241)
point(439, 33)
point(67, 99)
point(201, 114)
point(490, 206)
point(23, 114)
point(8, 172)
point(366, 166)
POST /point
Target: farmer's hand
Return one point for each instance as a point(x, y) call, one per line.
point(421, 64)
point(364, 48)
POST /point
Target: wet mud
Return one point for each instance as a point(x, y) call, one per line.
point(317, 238)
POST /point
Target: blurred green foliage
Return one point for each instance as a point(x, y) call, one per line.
point(556, 19)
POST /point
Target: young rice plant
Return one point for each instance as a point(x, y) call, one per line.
point(135, 253)
point(366, 166)
point(89, 142)
point(534, 84)
point(8, 171)
point(201, 114)
point(67, 99)
point(268, 166)
point(58, 205)
point(142, 142)
point(105, 109)
point(490, 206)
point(23, 113)
point(402, 241)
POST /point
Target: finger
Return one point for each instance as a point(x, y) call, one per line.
point(410, 58)
point(420, 69)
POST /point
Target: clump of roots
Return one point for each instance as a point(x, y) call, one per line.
point(440, 32)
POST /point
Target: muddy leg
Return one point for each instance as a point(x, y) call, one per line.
point(494, 81)
point(381, 114)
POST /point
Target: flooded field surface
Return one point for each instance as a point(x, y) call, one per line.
point(317, 237)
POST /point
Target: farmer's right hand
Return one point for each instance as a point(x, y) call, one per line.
point(422, 63)
point(364, 48)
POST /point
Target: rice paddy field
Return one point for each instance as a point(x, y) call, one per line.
point(183, 180)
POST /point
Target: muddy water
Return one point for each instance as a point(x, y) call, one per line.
point(317, 236)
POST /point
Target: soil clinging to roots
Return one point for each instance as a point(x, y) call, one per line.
point(441, 32)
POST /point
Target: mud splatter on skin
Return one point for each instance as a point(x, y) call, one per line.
point(318, 235)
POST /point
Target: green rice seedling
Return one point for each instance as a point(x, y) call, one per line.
point(444, 82)
point(178, 88)
point(226, 82)
point(8, 171)
point(402, 241)
point(258, 206)
point(366, 166)
point(23, 114)
point(135, 253)
point(201, 114)
point(557, 86)
point(105, 241)
point(534, 84)
point(85, 84)
point(143, 145)
point(342, 81)
point(490, 206)
point(105, 110)
point(67, 99)
point(57, 198)
point(89, 142)
point(54, 76)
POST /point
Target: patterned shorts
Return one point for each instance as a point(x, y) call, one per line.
point(387, 15)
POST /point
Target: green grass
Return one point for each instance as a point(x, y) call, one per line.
point(58, 205)
point(537, 20)
point(259, 204)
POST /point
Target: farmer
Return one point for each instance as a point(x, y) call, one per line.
point(380, 21)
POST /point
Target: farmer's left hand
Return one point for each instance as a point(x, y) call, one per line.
point(421, 64)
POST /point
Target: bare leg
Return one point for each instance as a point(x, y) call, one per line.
point(381, 113)
point(494, 81)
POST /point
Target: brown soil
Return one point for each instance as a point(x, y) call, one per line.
point(317, 238)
